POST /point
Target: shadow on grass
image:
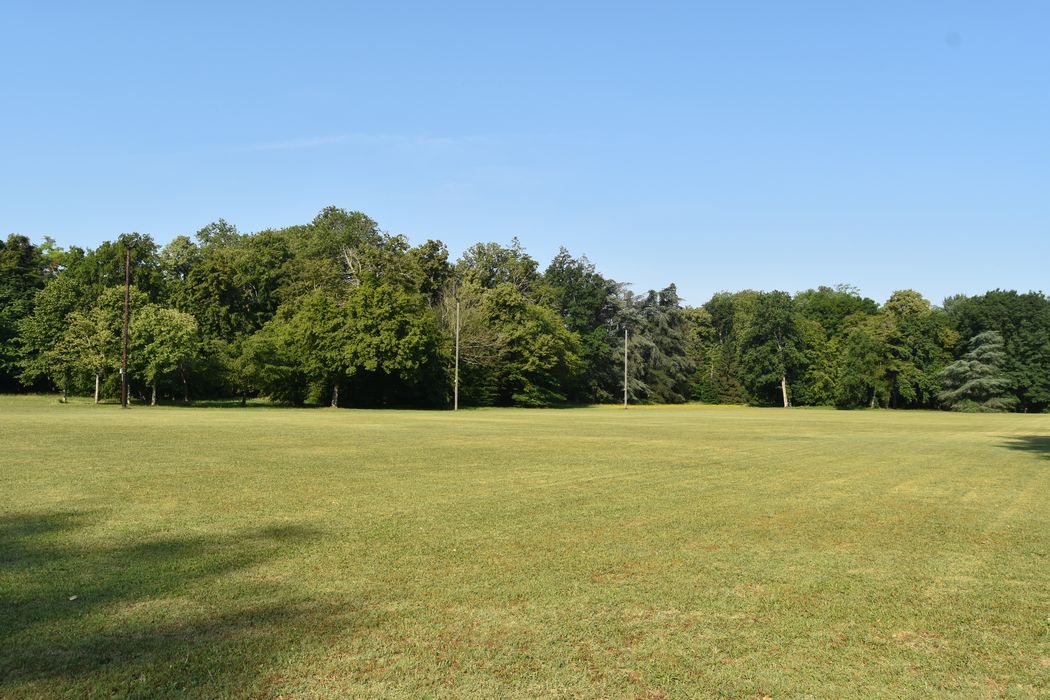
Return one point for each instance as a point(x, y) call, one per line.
point(152, 618)
point(261, 403)
point(220, 403)
point(1039, 444)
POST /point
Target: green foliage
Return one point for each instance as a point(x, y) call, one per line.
point(527, 354)
point(861, 365)
point(729, 316)
point(916, 341)
point(90, 345)
point(432, 269)
point(322, 343)
point(659, 348)
point(393, 339)
point(338, 311)
point(826, 374)
point(831, 306)
point(976, 383)
point(588, 306)
point(772, 348)
point(40, 331)
point(103, 267)
point(488, 265)
point(1023, 320)
point(303, 350)
point(163, 341)
point(22, 275)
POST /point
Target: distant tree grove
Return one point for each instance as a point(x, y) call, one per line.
point(338, 312)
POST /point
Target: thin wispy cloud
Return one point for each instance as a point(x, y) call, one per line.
point(407, 143)
point(389, 140)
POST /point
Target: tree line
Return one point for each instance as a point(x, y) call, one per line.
point(339, 312)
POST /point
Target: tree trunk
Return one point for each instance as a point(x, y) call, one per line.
point(96, 387)
point(335, 394)
point(185, 388)
point(784, 390)
point(872, 405)
point(153, 398)
point(244, 399)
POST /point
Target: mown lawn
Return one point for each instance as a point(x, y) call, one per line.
point(657, 552)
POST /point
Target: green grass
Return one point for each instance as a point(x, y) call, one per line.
point(656, 552)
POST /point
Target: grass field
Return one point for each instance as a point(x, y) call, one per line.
point(656, 552)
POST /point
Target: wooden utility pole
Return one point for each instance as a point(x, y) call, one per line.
point(127, 308)
point(625, 366)
point(455, 391)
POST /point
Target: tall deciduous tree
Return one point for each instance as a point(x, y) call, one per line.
point(22, 275)
point(392, 339)
point(91, 344)
point(772, 348)
point(917, 342)
point(41, 330)
point(587, 304)
point(163, 341)
point(861, 368)
point(535, 353)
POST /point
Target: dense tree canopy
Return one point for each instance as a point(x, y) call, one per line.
point(338, 312)
point(23, 273)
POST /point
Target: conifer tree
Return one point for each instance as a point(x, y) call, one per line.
point(976, 383)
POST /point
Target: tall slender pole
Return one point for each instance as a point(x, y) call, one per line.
point(625, 366)
point(455, 394)
point(127, 306)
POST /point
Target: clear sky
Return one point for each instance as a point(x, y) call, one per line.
point(718, 145)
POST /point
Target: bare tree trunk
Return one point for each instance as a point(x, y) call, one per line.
point(96, 387)
point(872, 405)
point(185, 388)
point(335, 394)
point(153, 398)
point(784, 390)
point(244, 399)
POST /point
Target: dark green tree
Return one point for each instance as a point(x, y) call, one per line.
point(976, 383)
point(164, 342)
point(917, 342)
point(772, 349)
point(861, 363)
point(823, 315)
point(43, 328)
point(661, 343)
point(1023, 320)
point(587, 304)
point(22, 275)
point(730, 315)
point(489, 265)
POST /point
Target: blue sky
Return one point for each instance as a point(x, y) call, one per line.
point(728, 145)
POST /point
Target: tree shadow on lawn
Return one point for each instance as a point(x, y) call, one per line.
point(152, 618)
point(252, 404)
point(1039, 444)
